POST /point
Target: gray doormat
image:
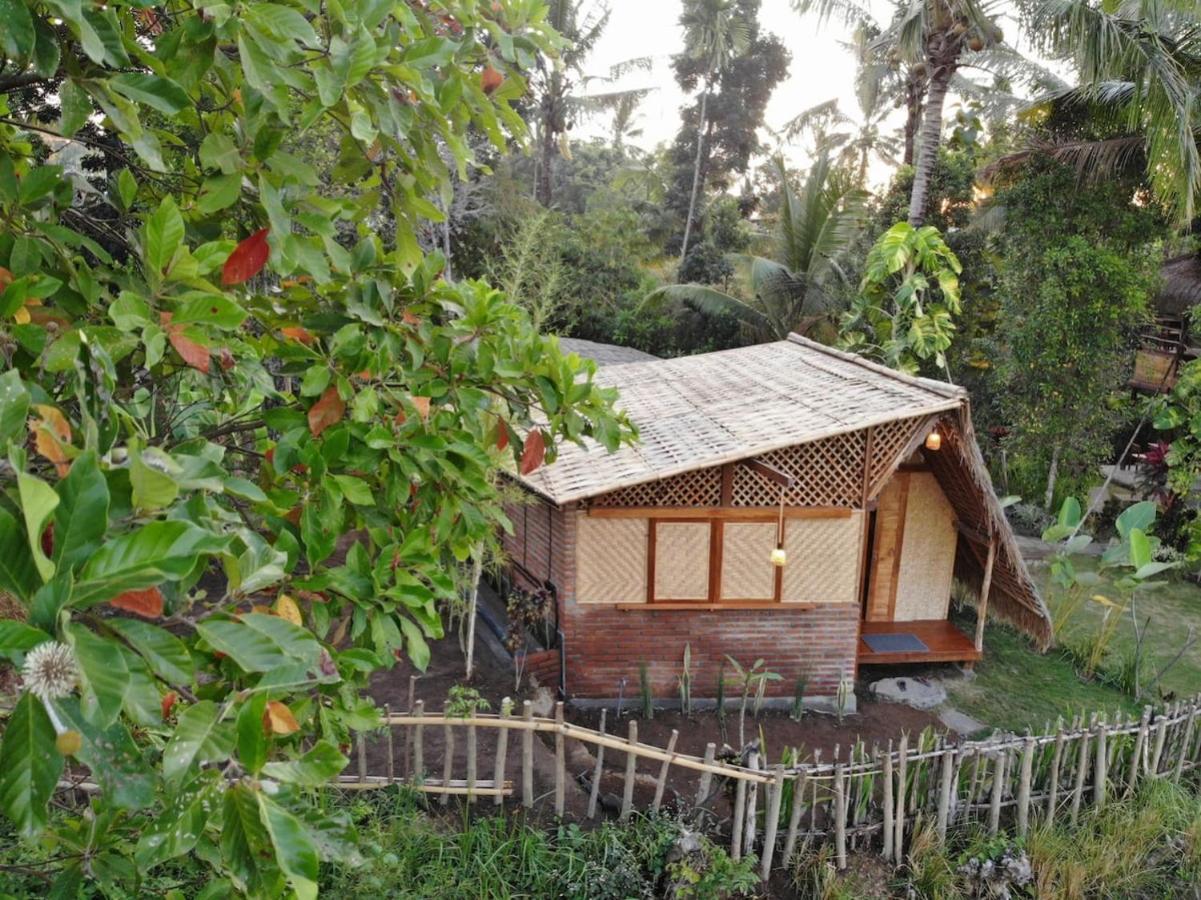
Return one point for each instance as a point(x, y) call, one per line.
point(895, 643)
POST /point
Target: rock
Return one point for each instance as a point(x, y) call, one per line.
point(920, 693)
point(543, 702)
point(961, 723)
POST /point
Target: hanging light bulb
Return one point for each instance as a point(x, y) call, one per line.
point(934, 440)
point(779, 557)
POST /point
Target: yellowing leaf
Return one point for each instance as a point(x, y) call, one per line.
point(278, 719)
point(286, 608)
point(50, 433)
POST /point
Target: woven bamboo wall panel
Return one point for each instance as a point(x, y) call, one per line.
point(611, 560)
point(699, 488)
point(746, 569)
point(829, 472)
point(823, 560)
point(927, 554)
point(681, 560)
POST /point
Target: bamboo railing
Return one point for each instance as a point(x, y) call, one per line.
point(870, 799)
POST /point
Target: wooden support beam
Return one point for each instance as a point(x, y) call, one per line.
point(985, 587)
point(770, 472)
point(976, 537)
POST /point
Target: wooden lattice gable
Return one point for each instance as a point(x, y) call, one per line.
point(833, 471)
point(700, 412)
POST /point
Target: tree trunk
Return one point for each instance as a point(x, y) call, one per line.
point(915, 91)
point(477, 570)
point(929, 137)
point(696, 170)
point(1052, 474)
point(546, 152)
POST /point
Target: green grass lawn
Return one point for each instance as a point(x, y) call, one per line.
point(1015, 688)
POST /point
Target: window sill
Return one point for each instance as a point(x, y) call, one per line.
point(711, 607)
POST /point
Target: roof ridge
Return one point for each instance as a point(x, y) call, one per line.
point(941, 388)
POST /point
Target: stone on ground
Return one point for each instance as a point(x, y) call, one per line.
point(920, 693)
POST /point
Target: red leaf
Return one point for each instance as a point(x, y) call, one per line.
point(168, 701)
point(502, 435)
point(247, 260)
point(327, 411)
point(297, 333)
point(226, 359)
point(194, 354)
point(534, 452)
point(490, 79)
point(148, 602)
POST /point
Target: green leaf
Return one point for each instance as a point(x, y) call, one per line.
point(17, 637)
point(76, 106)
point(294, 848)
point(259, 643)
point(1069, 513)
point(415, 645)
point(154, 91)
point(1140, 515)
point(81, 518)
point(17, 572)
point(17, 36)
point(154, 476)
point(313, 769)
point(103, 674)
point(29, 765)
point(174, 830)
point(165, 653)
point(215, 310)
point(243, 838)
point(218, 151)
point(162, 235)
point(14, 407)
point(194, 742)
point(282, 23)
point(157, 552)
point(252, 736)
point(356, 490)
point(38, 502)
point(1140, 548)
point(218, 193)
point(112, 756)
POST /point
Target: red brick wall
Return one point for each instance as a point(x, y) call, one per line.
point(604, 644)
point(543, 666)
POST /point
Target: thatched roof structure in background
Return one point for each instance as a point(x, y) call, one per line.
point(1181, 289)
point(604, 354)
point(702, 411)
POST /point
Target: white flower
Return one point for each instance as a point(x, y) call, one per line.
point(50, 671)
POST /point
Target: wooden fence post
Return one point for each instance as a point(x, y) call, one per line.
point(502, 751)
point(886, 851)
point(944, 792)
point(1161, 733)
point(1185, 744)
point(448, 757)
point(736, 826)
point(360, 742)
point(1027, 772)
point(1101, 772)
point(751, 818)
point(418, 772)
point(627, 793)
point(774, 799)
point(560, 760)
point(471, 763)
point(661, 783)
point(527, 757)
point(411, 710)
point(388, 744)
point(1140, 747)
point(1053, 786)
point(998, 788)
point(840, 818)
point(598, 770)
point(1081, 775)
point(898, 838)
point(794, 816)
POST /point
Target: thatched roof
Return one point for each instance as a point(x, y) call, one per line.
point(714, 408)
point(1181, 289)
point(604, 354)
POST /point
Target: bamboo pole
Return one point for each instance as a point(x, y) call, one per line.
point(1140, 747)
point(448, 757)
point(1024, 785)
point(736, 826)
point(391, 768)
point(560, 762)
point(597, 771)
point(1081, 774)
point(471, 761)
point(898, 838)
point(751, 818)
point(408, 736)
point(418, 751)
point(888, 804)
point(998, 788)
point(1101, 769)
point(502, 748)
point(775, 797)
point(360, 743)
point(794, 817)
point(944, 793)
point(527, 758)
point(974, 784)
point(1161, 733)
point(627, 793)
point(702, 788)
point(982, 605)
point(1053, 787)
point(840, 818)
point(661, 783)
point(1185, 744)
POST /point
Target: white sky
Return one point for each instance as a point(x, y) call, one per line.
point(821, 67)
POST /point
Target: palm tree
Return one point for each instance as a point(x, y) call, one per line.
point(1139, 64)
point(713, 34)
point(795, 289)
point(934, 37)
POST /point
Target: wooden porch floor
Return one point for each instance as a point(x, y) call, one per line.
point(946, 643)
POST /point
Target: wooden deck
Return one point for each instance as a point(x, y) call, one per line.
point(946, 643)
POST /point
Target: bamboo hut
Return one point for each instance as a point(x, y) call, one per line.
point(785, 501)
point(1166, 343)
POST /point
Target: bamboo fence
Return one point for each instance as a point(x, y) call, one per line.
point(870, 799)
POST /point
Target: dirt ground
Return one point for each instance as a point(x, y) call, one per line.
point(874, 722)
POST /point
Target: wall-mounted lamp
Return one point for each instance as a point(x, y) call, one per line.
point(778, 555)
point(934, 440)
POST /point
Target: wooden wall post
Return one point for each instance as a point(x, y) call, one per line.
point(985, 588)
